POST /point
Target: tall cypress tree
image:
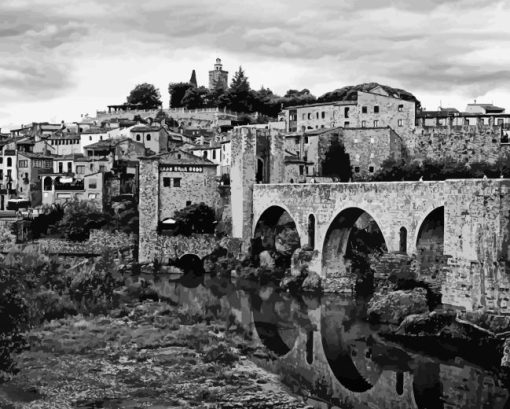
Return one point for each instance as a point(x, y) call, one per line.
point(193, 79)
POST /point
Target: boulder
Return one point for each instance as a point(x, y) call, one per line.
point(286, 241)
point(394, 306)
point(312, 283)
point(505, 360)
point(266, 259)
point(429, 324)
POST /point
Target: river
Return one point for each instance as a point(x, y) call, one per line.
point(323, 350)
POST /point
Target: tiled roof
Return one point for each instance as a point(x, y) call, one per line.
point(179, 157)
point(145, 128)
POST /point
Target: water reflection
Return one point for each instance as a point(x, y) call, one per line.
point(322, 349)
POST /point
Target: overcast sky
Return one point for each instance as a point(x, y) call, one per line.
point(63, 58)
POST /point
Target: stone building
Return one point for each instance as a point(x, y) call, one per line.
point(170, 182)
point(367, 149)
point(153, 137)
point(375, 107)
point(31, 167)
point(218, 78)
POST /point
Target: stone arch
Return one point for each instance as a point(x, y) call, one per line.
point(429, 239)
point(273, 225)
point(190, 263)
point(337, 237)
point(47, 183)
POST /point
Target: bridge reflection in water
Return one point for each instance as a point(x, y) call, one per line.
point(322, 350)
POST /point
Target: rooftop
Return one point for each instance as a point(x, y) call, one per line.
point(179, 157)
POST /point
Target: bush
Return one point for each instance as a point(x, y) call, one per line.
point(432, 169)
point(79, 218)
point(195, 218)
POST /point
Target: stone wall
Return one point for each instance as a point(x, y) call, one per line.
point(472, 143)
point(165, 248)
point(367, 148)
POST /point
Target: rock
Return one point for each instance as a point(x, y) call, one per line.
point(266, 259)
point(426, 324)
point(286, 241)
point(312, 283)
point(394, 306)
point(505, 360)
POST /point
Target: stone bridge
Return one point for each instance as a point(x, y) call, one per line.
point(475, 214)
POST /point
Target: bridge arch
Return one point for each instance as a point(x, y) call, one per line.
point(337, 240)
point(190, 263)
point(429, 239)
point(276, 230)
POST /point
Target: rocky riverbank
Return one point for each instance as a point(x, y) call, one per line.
point(144, 355)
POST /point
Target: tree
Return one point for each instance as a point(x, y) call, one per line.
point(196, 98)
point(337, 162)
point(295, 97)
point(238, 97)
point(265, 102)
point(79, 218)
point(146, 95)
point(195, 218)
point(177, 90)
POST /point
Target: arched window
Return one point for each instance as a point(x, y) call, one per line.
point(400, 383)
point(138, 137)
point(148, 137)
point(311, 231)
point(403, 240)
point(309, 347)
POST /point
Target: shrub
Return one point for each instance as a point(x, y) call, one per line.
point(79, 218)
point(195, 218)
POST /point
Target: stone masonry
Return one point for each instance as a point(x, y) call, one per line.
point(476, 226)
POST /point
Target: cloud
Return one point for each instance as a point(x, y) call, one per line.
point(446, 47)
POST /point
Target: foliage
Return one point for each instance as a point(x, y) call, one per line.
point(295, 97)
point(177, 90)
point(146, 95)
point(195, 218)
point(49, 217)
point(196, 97)
point(337, 162)
point(440, 169)
point(79, 218)
point(126, 216)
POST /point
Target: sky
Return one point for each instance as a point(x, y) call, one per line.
point(60, 59)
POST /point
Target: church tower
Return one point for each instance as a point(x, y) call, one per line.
point(218, 77)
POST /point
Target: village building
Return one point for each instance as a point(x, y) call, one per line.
point(8, 171)
point(31, 167)
point(377, 107)
point(153, 137)
point(172, 181)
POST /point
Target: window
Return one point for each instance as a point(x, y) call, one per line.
point(80, 169)
point(23, 163)
point(376, 109)
point(306, 139)
point(9, 162)
point(61, 167)
point(301, 170)
point(363, 124)
point(346, 112)
point(376, 123)
point(69, 167)
point(304, 116)
point(400, 108)
point(322, 126)
point(102, 168)
point(166, 182)
point(214, 154)
point(91, 167)
point(90, 137)
point(356, 169)
point(346, 124)
point(400, 122)
point(177, 182)
point(148, 137)
point(364, 110)
point(371, 169)
point(309, 115)
point(92, 184)
point(1, 160)
point(317, 115)
point(188, 203)
point(138, 137)
point(323, 114)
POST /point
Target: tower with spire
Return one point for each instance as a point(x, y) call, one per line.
point(218, 77)
point(193, 79)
